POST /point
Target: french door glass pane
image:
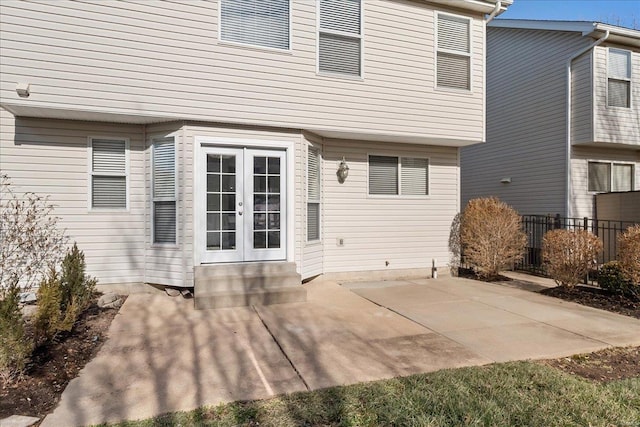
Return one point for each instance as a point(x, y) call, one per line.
point(266, 202)
point(221, 202)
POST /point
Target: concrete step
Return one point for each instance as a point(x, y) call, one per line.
point(224, 299)
point(245, 283)
point(244, 269)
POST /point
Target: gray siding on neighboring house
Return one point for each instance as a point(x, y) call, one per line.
point(526, 121)
point(50, 158)
point(164, 59)
point(582, 99)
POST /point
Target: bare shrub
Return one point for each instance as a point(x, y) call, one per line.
point(31, 240)
point(491, 236)
point(629, 254)
point(570, 254)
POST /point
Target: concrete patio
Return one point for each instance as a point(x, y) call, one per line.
point(162, 355)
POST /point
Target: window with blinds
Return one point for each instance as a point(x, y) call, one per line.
point(313, 194)
point(109, 159)
point(619, 78)
point(262, 23)
point(605, 177)
point(340, 37)
point(453, 53)
point(405, 176)
point(164, 190)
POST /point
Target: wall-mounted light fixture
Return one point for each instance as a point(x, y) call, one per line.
point(343, 171)
point(506, 180)
point(22, 89)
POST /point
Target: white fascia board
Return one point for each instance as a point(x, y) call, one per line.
point(483, 6)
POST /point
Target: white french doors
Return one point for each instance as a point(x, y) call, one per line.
point(242, 205)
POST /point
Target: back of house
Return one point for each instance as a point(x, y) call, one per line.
point(187, 142)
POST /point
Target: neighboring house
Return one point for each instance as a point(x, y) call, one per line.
point(180, 136)
point(563, 116)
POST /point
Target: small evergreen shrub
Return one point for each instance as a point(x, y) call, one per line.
point(77, 288)
point(629, 254)
point(15, 346)
point(612, 279)
point(49, 318)
point(491, 236)
point(570, 254)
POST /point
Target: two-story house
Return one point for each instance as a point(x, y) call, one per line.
point(563, 116)
point(191, 141)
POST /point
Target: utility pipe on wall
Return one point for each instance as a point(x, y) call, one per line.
point(568, 116)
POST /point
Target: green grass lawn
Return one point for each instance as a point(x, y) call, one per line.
point(508, 394)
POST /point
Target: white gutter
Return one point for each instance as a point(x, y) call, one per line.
point(568, 115)
point(494, 12)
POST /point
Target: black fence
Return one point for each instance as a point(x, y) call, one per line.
point(537, 225)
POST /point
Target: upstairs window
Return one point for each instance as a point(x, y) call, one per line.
point(340, 37)
point(605, 177)
point(313, 195)
point(453, 52)
point(164, 190)
point(619, 78)
point(405, 176)
point(263, 23)
point(109, 159)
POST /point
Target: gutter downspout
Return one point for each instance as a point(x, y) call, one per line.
point(568, 116)
point(494, 12)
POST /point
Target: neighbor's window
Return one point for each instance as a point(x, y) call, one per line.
point(262, 23)
point(340, 37)
point(405, 176)
point(453, 52)
point(164, 190)
point(109, 164)
point(313, 194)
point(605, 177)
point(619, 78)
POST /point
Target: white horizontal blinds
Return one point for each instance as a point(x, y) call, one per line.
point(599, 176)
point(622, 178)
point(313, 194)
point(454, 52)
point(108, 173)
point(256, 22)
point(340, 37)
point(164, 190)
point(619, 82)
point(414, 174)
point(383, 175)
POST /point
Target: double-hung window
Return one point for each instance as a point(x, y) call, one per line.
point(109, 164)
point(453, 56)
point(405, 176)
point(619, 78)
point(340, 37)
point(605, 177)
point(164, 190)
point(264, 23)
point(313, 194)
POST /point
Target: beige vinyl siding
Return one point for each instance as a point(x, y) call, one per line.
point(582, 200)
point(312, 252)
point(526, 121)
point(164, 59)
point(49, 157)
point(406, 231)
point(164, 263)
point(582, 99)
point(616, 124)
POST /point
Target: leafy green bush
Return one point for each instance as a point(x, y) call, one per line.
point(570, 254)
point(15, 346)
point(612, 278)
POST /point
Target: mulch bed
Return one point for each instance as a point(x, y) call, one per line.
point(603, 366)
point(597, 298)
point(52, 366)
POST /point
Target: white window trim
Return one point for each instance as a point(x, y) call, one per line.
point(612, 163)
point(453, 52)
point(91, 174)
point(340, 33)
point(630, 80)
point(163, 199)
point(256, 46)
point(400, 195)
point(318, 201)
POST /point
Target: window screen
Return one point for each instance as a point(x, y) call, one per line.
point(313, 194)
point(108, 173)
point(619, 78)
point(453, 52)
point(256, 22)
point(164, 190)
point(340, 37)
